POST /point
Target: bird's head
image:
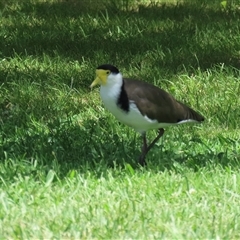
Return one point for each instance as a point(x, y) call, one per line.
point(104, 74)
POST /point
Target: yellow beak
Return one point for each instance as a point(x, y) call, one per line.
point(101, 78)
point(95, 82)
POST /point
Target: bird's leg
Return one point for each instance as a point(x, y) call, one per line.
point(160, 133)
point(146, 148)
point(142, 161)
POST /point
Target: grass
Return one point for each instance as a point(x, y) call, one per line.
point(68, 169)
point(168, 205)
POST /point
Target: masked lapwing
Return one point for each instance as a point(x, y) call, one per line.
point(141, 105)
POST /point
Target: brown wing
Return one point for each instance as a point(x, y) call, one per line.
point(157, 104)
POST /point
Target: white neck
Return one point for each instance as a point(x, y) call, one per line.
point(111, 90)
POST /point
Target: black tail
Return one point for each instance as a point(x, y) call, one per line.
point(189, 113)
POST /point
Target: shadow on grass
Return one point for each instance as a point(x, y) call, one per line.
point(167, 36)
point(68, 147)
point(195, 161)
point(196, 35)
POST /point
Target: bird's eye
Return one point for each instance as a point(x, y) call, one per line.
point(108, 72)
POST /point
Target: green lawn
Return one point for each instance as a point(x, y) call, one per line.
point(68, 169)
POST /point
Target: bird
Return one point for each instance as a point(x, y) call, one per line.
point(141, 105)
